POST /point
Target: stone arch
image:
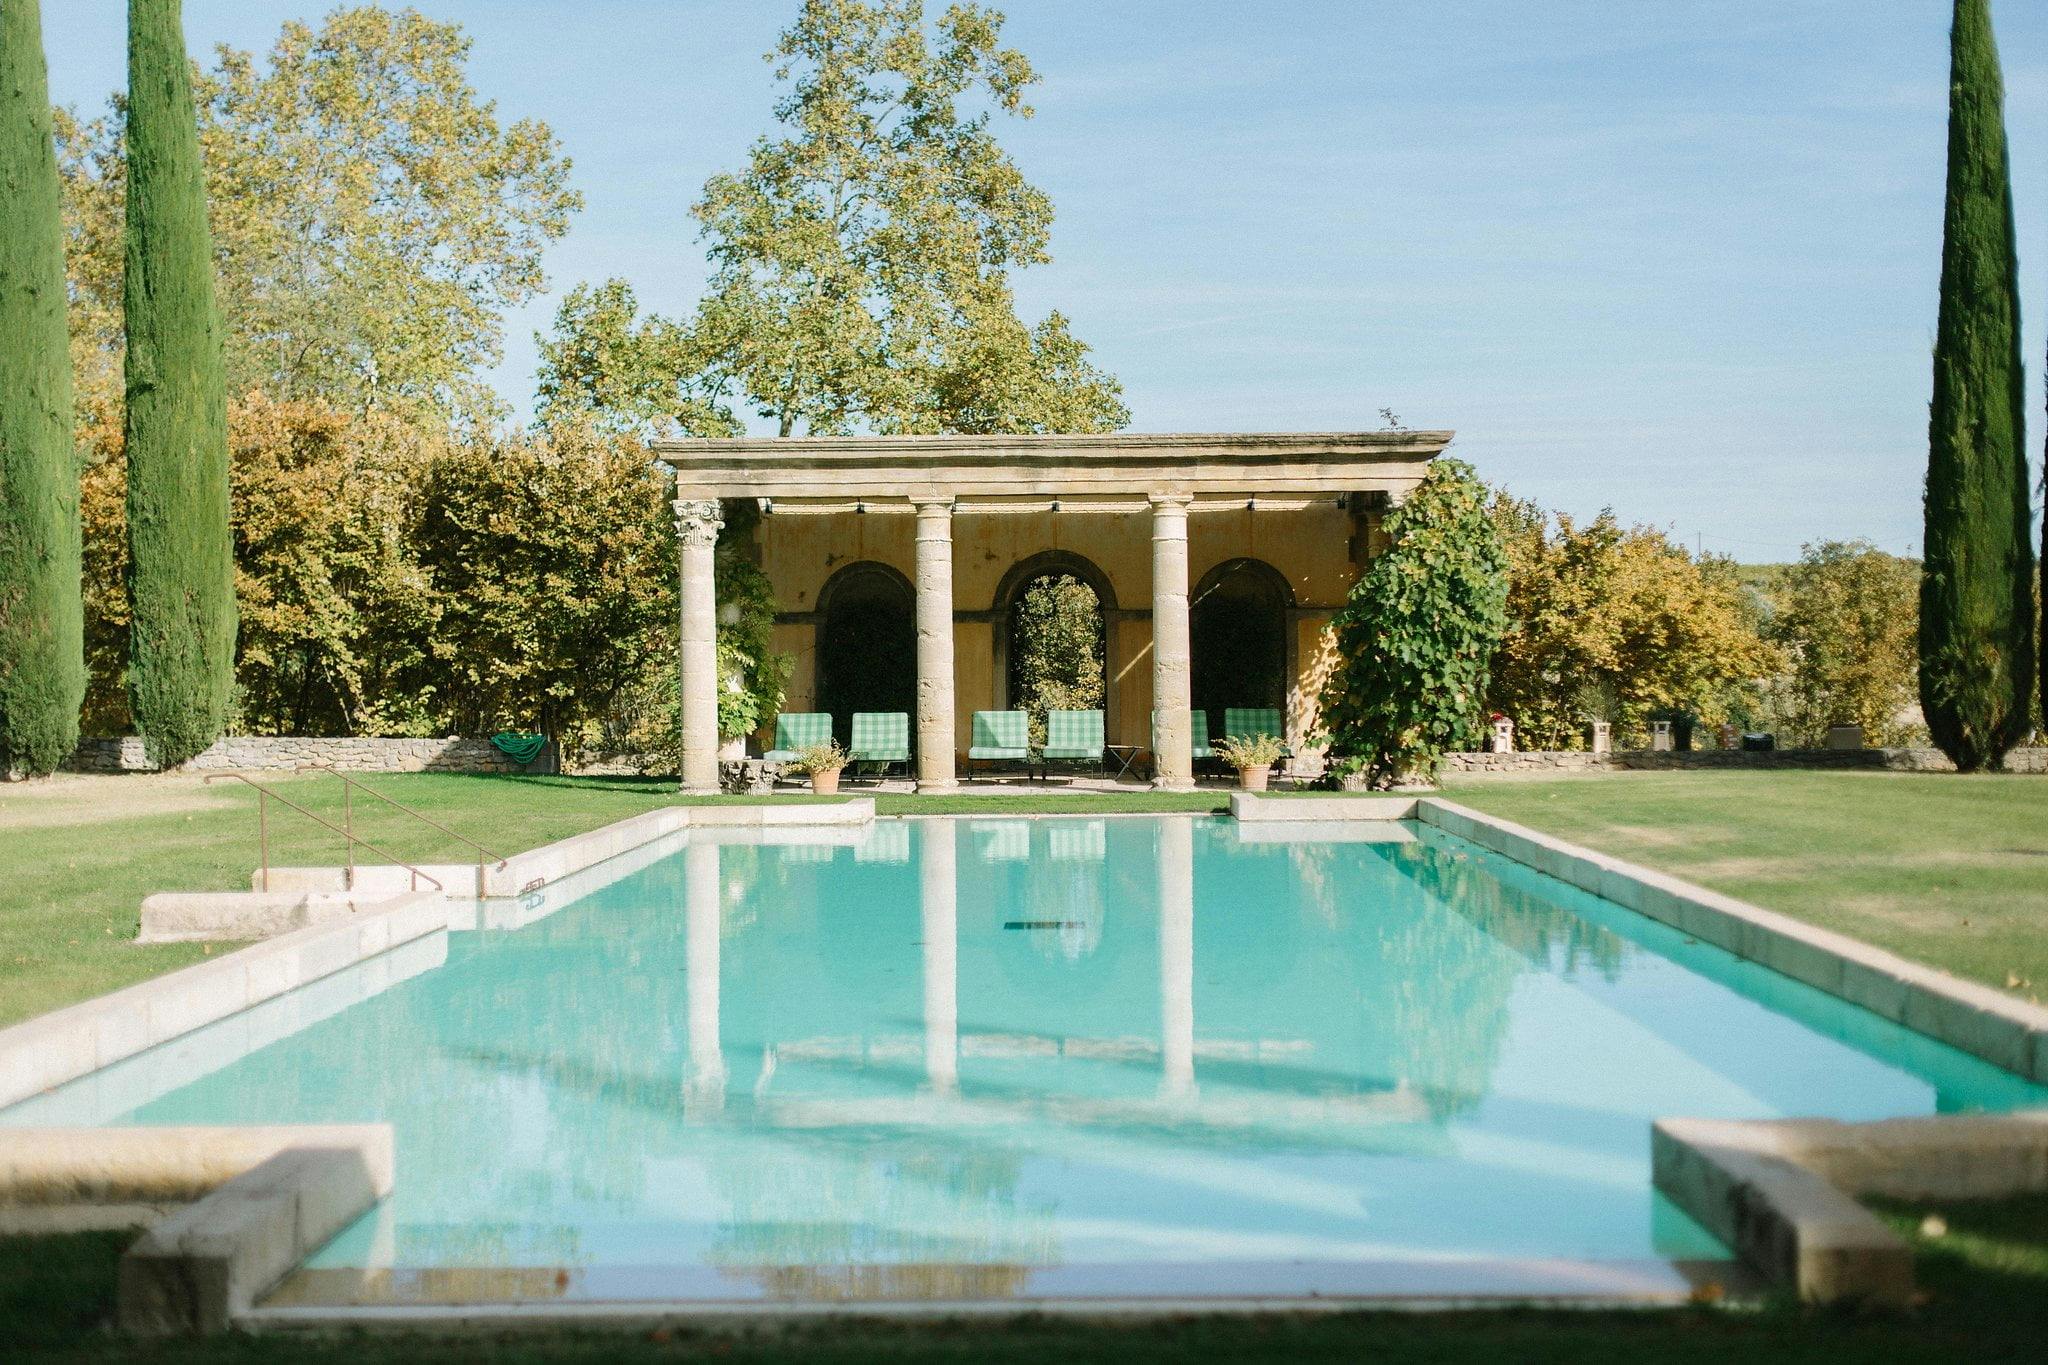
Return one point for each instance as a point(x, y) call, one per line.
point(1240, 626)
point(867, 644)
point(1021, 575)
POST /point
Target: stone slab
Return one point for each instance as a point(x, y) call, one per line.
point(84, 1169)
point(47, 1051)
point(239, 916)
point(196, 1271)
point(1252, 807)
point(1783, 1193)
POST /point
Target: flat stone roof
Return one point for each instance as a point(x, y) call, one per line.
point(897, 470)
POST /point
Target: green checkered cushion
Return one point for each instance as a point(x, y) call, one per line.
point(1000, 734)
point(798, 730)
point(1073, 735)
point(880, 737)
point(1198, 735)
point(1245, 722)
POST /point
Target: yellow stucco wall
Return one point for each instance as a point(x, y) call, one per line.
point(1310, 548)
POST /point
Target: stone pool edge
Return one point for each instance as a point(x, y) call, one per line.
point(1782, 1193)
point(230, 1211)
point(49, 1050)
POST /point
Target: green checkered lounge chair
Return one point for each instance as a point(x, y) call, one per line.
point(1243, 722)
point(1000, 736)
point(796, 731)
point(1073, 737)
point(881, 738)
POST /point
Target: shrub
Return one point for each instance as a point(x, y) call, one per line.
point(1250, 752)
point(1416, 636)
point(815, 759)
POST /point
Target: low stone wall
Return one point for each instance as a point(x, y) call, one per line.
point(1648, 760)
point(288, 753)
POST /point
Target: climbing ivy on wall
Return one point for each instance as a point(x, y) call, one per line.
point(1415, 637)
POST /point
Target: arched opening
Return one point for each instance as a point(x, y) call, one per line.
point(867, 644)
point(1237, 627)
point(1052, 637)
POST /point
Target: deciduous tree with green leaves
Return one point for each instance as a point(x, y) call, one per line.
point(372, 217)
point(862, 258)
point(1417, 634)
point(1847, 616)
point(181, 568)
point(1056, 642)
point(607, 365)
point(1621, 616)
point(42, 650)
point(1977, 646)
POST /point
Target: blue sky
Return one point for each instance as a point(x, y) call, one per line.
point(1674, 256)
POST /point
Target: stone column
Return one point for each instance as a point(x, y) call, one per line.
point(1176, 869)
point(1173, 766)
point(935, 708)
point(697, 527)
point(939, 898)
point(704, 1081)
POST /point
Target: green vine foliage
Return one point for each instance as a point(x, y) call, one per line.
point(752, 674)
point(1416, 635)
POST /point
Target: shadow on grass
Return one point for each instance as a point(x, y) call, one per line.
point(1986, 1278)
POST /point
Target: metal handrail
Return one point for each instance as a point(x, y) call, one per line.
point(349, 836)
point(350, 785)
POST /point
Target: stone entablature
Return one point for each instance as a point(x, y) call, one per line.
point(1120, 470)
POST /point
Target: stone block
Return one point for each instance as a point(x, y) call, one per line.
point(197, 996)
point(198, 1270)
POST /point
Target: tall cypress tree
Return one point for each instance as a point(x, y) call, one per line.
point(42, 614)
point(1977, 580)
point(181, 562)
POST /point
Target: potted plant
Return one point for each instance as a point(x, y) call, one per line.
point(821, 762)
point(1253, 756)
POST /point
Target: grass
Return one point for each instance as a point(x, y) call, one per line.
point(1951, 871)
point(1985, 1283)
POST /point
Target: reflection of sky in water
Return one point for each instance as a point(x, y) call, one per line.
point(1040, 1043)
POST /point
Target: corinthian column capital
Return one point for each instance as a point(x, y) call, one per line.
point(697, 521)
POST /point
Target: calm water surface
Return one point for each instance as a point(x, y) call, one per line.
point(1055, 1056)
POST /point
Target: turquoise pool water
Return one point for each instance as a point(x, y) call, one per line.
point(1007, 1057)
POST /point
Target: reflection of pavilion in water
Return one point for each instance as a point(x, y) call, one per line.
point(868, 1228)
point(1066, 906)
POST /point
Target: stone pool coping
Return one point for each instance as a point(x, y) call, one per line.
point(1781, 1193)
point(44, 1052)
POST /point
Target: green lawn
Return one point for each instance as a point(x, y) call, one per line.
point(1952, 871)
point(77, 857)
point(1985, 1280)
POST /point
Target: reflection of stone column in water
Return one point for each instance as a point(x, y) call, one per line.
point(1177, 956)
point(940, 897)
point(704, 1086)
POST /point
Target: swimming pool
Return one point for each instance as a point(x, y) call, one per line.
point(1131, 1058)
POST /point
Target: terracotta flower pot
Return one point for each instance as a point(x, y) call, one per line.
point(1252, 779)
point(825, 784)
